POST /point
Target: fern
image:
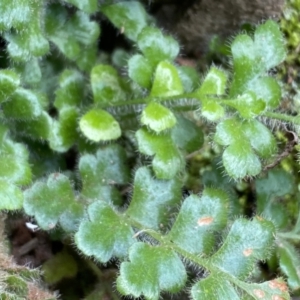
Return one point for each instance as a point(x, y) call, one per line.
point(132, 136)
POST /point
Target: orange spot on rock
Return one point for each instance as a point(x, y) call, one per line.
point(248, 252)
point(259, 293)
point(205, 221)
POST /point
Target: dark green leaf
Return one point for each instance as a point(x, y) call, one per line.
point(189, 78)
point(289, 262)
point(214, 288)
point(104, 169)
point(88, 6)
point(105, 234)
point(151, 270)
point(47, 201)
point(62, 265)
point(246, 242)
point(198, 221)
point(153, 200)
point(187, 135)
point(270, 190)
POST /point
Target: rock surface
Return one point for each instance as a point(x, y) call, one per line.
point(196, 22)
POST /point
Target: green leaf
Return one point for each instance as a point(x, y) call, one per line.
point(64, 134)
point(106, 168)
point(62, 265)
point(106, 85)
point(248, 105)
point(71, 91)
point(11, 196)
point(140, 71)
point(157, 117)
point(47, 201)
point(273, 289)
point(228, 132)
point(71, 217)
point(252, 60)
point(153, 200)
point(214, 83)
point(270, 190)
point(38, 128)
point(240, 160)
point(189, 78)
point(187, 135)
point(247, 242)
point(269, 43)
point(157, 47)
point(88, 59)
point(205, 289)
point(246, 140)
point(130, 17)
point(88, 6)
point(161, 268)
point(199, 220)
point(30, 71)
point(71, 35)
point(27, 39)
point(289, 262)
point(14, 163)
point(120, 57)
point(85, 31)
point(168, 160)
point(31, 43)
point(278, 183)
point(211, 109)
point(166, 81)
point(98, 125)
point(9, 81)
point(23, 104)
point(216, 177)
point(260, 138)
point(266, 89)
point(15, 14)
point(105, 234)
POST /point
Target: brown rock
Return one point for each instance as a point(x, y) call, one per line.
point(195, 24)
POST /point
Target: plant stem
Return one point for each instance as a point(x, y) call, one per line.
point(289, 235)
point(282, 117)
